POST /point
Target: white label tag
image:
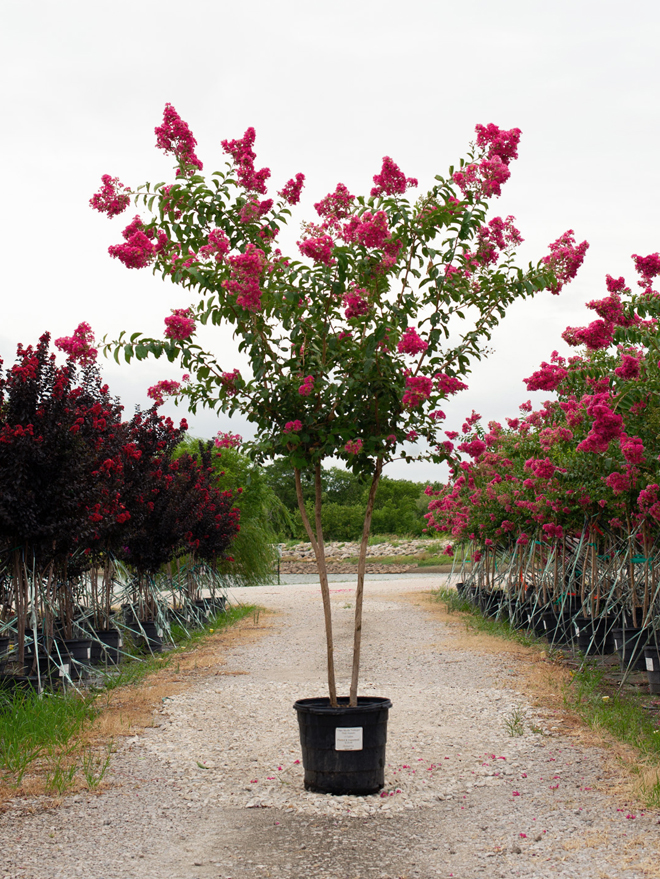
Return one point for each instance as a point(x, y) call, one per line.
point(64, 669)
point(616, 644)
point(545, 625)
point(159, 632)
point(348, 738)
point(577, 630)
point(121, 642)
point(649, 663)
point(89, 653)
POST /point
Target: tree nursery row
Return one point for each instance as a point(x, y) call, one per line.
point(98, 512)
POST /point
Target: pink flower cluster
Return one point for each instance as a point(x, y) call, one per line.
point(218, 246)
point(244, 282)
point(498, 141)
point(293, 426)
point(227, 440)
point(565, 259)
point(291, 190)
point(607, 425)
point(139, 250)
point(412, 343)
point(485, 179)
point(318, 248)
point(499, 235)
point(164, 388)
point(547, 378)
point(174, 136)
point(648, 267)
point(648, 501)
point(354, 447)
point(79, 346)
point(449, 384)
point(475, 448)
point(542, 468)
point(356, 304)
point(335, 206)
point(599, 334)
point(113, 198)
point(228, 382)
point(391, 180)
point(243, 155)
point(629, 367)
point(253, 209)
point(418, 389)
point(179, 325)
point(370, 230)
point(306, 388)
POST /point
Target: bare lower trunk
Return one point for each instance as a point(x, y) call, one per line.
point(362, 564)
point(316, 539)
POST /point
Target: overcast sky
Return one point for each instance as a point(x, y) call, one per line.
point(330, 88)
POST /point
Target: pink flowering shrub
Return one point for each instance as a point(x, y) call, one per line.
point(227, 440)
point(351, 331)
point(79, 346)
point(179, 325)
point(113, 198)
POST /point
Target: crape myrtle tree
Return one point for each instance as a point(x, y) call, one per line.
point(352, 348)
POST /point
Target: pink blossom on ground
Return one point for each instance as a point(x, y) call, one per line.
point(243, 156)
point(227, 440)
point(319, 249)
point(244, 283)
point(162, 389)
point(291, 190)
point(565, 259)
point(418, 389)
point(79, 346)
point(174, 136)
point(356, 304)
point(112, 198)
point(293, 426)
point(412, 343)
point(218, 246)
point(449, 384)
point(391, 180)
point(180, 325)
point(354, 447)
point(306, 388)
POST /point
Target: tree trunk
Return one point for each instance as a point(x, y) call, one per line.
point(319, 551)
point(362, 563)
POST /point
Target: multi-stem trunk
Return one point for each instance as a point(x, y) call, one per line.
point(316, 539)
point(359, 593)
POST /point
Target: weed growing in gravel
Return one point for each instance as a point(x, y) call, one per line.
point(95, 765)
point(515, 722)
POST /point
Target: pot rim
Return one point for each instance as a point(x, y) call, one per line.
point(321, 705)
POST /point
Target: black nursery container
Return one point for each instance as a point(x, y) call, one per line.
point(652, 658)
point(594, 636)
point(629, 643)
point(106, 648)
point(343, 748)
point(152, 639)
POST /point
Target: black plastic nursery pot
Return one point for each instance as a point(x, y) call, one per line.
point(343, 748)
point(594, 636)
point(106, 648)
point(152, 639)
point(629, 643)
point(652, 659)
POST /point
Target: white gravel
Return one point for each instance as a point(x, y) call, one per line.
point(216, 789)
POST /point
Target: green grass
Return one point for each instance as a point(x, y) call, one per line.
point(474, 620)
point(47, 727)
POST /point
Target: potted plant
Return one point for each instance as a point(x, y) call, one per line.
point(353, 343)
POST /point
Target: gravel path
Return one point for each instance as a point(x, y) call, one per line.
point(215, 789)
